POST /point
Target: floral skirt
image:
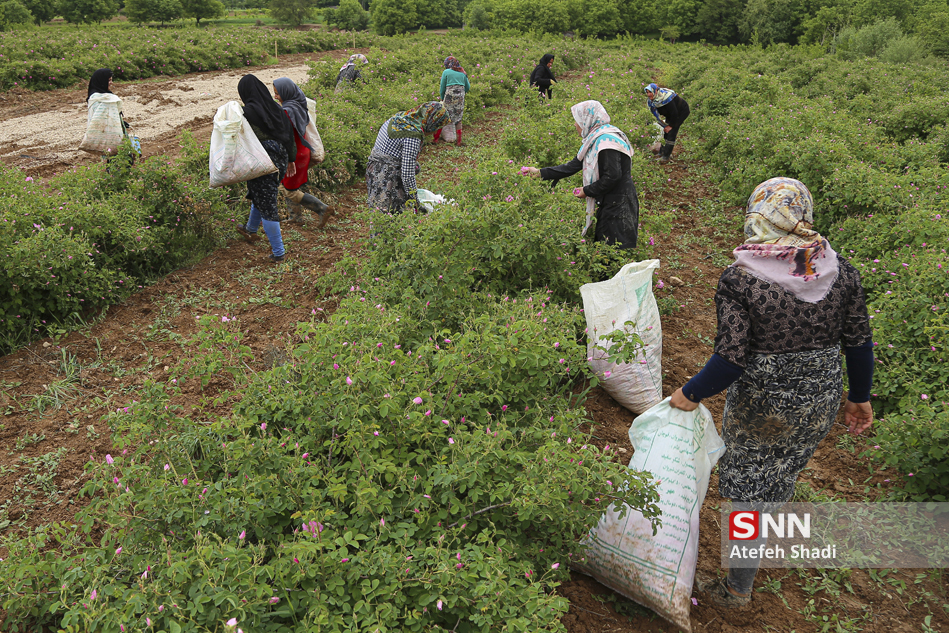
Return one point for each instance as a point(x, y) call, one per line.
point(384, 182)
point(262, 191)
point(775, 416)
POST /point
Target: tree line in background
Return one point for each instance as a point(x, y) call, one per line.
point(894, 30)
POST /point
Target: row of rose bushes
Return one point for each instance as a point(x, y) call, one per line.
point(871, 141)
point(43, 59)
point(417, 465)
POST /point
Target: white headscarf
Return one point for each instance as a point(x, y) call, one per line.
point(598, 135)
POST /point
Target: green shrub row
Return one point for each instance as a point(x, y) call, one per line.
point(45, 59)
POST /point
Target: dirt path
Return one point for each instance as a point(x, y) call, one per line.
point(41, 131)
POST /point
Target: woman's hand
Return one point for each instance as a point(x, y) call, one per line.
point(533, 172)
point(579, 193)
point(667, 129)
point(291, 169)
point(858, 416)
point(679, 401)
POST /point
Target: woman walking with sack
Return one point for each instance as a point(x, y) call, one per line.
point(454, 87)
point(785, 308)
point(608, 186)
point(393, 163)
point(293, 101)
point(275, 133)
point(105, 126)
point(663, 102)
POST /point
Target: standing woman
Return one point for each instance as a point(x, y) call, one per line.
point(454, 87)
point(785, 308)
point(348, 74)
point(275, 133)
point(541, 77)
point(392, 165)
point(665, 102)
point(604, 158)
point(99, 96)
point(293, 101)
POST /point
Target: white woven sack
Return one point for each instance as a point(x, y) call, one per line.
point(236, 153)
point(608, 305)
point(679, 448)
point(312, 135)
point(104, 131)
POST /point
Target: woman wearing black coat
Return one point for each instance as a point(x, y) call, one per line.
point(541, 77)
point(608, 187)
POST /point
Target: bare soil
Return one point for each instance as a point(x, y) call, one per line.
point(140, 338)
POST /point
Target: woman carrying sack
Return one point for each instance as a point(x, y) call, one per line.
point(785, 308)
point(105, 126)
point(275, 133)
point(392, 165)
point(293, 101)
point(454, 87)
point(608, 186)
point(664, 103)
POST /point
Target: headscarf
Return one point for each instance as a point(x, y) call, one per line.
point(546, 59)
point(99, 82)
point(413, 123)
point(453, 64)
point(261, 110)
point(294, 104)
point(781, 245)
point(661, 96)
point(598, 135)
point(353, 59)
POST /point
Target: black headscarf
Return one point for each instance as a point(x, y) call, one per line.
point(294, 104)
point(99, 82)
point(541, 74)
point(262, 111)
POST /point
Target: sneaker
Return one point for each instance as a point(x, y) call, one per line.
point(247, 235)
point(277, 259)
point(719, 593)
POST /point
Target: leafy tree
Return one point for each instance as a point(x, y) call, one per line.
point(203, 10)
point(391, 17)
point(680, 13)
point(931, 24)
point(349, 16)
point(719, 20)
point(12, 12)
point(478, 16)
point(824, 25)
point(871, 11)
point(770, 21)
point(295, 12)
point(602, 18)
point(88, 11)
point(42, 10)
point(641, 16)
point(153, 10)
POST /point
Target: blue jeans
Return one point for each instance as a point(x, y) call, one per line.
point(271, 229)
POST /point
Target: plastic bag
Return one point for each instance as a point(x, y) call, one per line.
point(312, 135)
point(236, 153)
point(428, 200)
point(104, 129)
point(679, 448)
point(608, 305)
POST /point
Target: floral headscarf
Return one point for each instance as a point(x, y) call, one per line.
point(660, 97)
point(598, 135)
point(413, 123)
point(453, 64)
point(781, 245)
point(353, 59)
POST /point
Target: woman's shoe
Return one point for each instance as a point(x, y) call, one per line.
point(314, 204)
point(277, 259)
point(247, 235)
point(719, 593)
point(322, 218)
